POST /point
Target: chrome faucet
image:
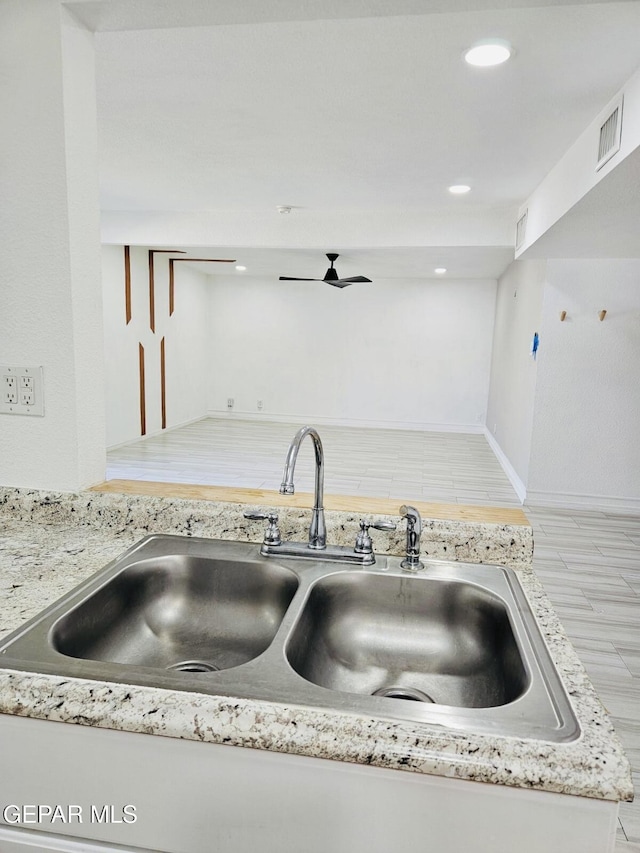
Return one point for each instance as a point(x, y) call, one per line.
point(316, 548)
point(317, 529)
point(411, 562)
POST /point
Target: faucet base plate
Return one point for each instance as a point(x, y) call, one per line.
point(332, 553)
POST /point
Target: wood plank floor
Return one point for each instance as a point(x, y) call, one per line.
point(589, 561)
point(400, 464)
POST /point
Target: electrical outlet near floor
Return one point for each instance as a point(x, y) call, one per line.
point(229, 402)
point(260, 405)
point(21, 390)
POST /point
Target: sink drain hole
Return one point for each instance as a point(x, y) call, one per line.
point(410, 693)
point(193, 666)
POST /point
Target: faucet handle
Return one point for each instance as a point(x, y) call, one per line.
point(364, 544)
point(383, 525)
point(272, 533)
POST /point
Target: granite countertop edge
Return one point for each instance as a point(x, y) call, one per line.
point(49, 542)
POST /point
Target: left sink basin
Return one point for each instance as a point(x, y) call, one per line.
point(183, 611)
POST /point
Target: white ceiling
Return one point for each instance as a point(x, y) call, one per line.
point(345, 106)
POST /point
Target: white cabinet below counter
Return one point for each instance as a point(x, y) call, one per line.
point(192, 797)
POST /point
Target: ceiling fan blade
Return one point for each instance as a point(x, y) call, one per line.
point(331, 275)
point(339, 282)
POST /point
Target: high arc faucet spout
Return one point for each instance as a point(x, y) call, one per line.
point(317, 529)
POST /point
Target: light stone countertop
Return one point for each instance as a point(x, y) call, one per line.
point(50, 542)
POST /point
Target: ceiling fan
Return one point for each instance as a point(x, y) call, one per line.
point(331, 275)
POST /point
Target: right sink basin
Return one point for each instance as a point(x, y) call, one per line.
point(447, 642)
point(456, 645)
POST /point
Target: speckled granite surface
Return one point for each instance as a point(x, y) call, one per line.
point(453, 540)
point(50, 542)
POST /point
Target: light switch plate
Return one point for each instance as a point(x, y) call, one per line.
point(21, 390)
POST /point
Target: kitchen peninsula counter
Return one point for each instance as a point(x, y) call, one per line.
point(50, 542)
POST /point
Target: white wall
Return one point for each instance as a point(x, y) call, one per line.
point(49, 245)
point(575, 173)
point(186, 344)
point(513, 370)
point(397, 353)
point(121, 347)
point(585, 446)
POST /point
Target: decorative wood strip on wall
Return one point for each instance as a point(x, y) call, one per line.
point(208, 260)
point(171, 286)
point(152, 287)
point(143, 405)
point(163, 386)
point(127, 283)
point(152, 295)
point(172, 272)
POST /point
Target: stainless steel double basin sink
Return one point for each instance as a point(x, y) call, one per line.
point(455, 646)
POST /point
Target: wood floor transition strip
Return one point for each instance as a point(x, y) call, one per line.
point(342, 503)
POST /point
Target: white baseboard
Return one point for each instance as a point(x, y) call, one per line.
point(568, 500)
point(155, 433)
point(518, 486)
point(345, 422)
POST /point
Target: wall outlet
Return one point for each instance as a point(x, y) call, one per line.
point(21, 390)
point(230, 402)
point(259, 405)
point(9, 389)
point(495, 428)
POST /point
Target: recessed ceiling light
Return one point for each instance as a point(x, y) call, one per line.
point(283, 208)
point(484, 54)
point(240, 268)
point(440, 270)
point(459, 189)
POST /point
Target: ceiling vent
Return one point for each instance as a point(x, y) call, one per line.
point(610, 135)
point(521, 229)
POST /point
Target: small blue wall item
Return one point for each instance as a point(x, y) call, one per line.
point(534, 345)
